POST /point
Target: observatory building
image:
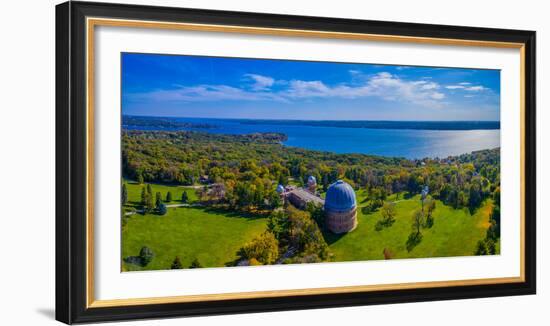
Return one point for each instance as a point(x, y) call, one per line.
point(312, 184)
point(340, 208)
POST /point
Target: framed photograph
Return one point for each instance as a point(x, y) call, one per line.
point(214, 162)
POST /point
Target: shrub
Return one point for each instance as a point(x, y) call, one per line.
point(195, 264)
point(253, 262)
point(146, 255)
point(176, 264)
point(162, 209)
point(388, 254)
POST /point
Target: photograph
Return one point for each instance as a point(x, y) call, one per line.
point(231, 162)
point(235, 160)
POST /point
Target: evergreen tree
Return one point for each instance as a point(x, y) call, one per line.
point(144, 196)
point(184, 197)
point(149, 189)
point(158, 199)
point(149, 204)
point(146, 255)
point(176, 264)
point(147, 199)
point(195, 264)
point(140, 179)
point(169, 197)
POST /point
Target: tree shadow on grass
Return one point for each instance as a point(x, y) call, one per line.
point(232, 213)
point(413, 240)
point(383, 223)
point(134, 260)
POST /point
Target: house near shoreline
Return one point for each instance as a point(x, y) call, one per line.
point(340, 205)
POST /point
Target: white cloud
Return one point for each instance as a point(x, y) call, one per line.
point(206, 93)
point(428, 86)
point(475, 88)
point(465, 86)
point(261, 83)
point(383, 85)
point(454, 87)
point(391, 87)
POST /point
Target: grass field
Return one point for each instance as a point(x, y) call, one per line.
point(189, 232)
point(454, 233)
point(214, 237)
point(134, 192)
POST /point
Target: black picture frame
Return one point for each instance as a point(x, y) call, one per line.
point(71, 158)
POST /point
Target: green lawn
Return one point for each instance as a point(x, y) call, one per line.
point(212, 237)
point(134, 192)
point(454, 233)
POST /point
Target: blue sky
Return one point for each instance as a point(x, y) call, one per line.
point(213, 87)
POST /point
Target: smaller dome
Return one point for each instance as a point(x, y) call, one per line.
point(280, 189)
point(340, 197)
point(311, 180)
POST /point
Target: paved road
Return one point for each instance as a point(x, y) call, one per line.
point(140, 211)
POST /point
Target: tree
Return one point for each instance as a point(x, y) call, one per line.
point(195, 264)
point(418, 220)
point(143, 196)
point(317, 213)
point(149, 205)
point(176, 264)
point(162, 209)
point(124, 194)
point(475, 197)
point(415, 237)
point(481, 248)
point(491, 246)
point(146, 200)
point(158, 199)
point(184, 197)
point(146, 255)
point(278, 224)
point(263, 248)
point(305, 236)
point(388, 216)
point(430, 207)
point(168, 196)
point(150, 189)
point(140, 179)
point(388, 211)
point(275, 199)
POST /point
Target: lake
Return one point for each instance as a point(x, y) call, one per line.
point(409, 143)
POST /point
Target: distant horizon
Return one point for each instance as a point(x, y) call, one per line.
point(186, 86)
point(282, 119)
